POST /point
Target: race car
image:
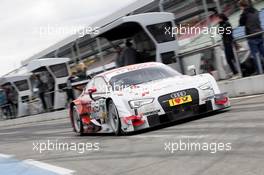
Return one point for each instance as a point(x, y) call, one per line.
point(141, 96)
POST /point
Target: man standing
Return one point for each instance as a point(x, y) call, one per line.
point(118, 61)
point(69, 88)
point(228, 42)
point(129, 55)
point(42, 87)
point(250, 19)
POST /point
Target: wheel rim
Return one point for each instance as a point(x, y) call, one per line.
point(113, 117)
point(76, 120)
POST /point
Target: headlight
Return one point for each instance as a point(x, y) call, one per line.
point(206, 86)
point(134, 104)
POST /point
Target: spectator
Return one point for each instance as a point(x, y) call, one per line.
point(119, 62)
point(228, 42)
point(250, 19)
point(3, 99)
point(129, 54)
point(81, 71)
point(69, 88)
point(42, 87)
point(11, 101)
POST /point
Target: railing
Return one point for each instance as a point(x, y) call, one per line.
point(210, 47)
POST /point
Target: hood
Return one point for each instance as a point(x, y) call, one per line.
point(163, 86)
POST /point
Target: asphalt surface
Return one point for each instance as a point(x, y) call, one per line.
point(239, 131)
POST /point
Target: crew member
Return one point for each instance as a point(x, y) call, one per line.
point(228, 42)
point(250, 19)
point(129, 54)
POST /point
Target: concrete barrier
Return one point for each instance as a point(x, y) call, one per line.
point(56, 115)
point(243, 87)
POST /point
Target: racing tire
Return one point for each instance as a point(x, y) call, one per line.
point(114, 119)
point(77, 121)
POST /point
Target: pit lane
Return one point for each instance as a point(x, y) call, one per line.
point(144, 152)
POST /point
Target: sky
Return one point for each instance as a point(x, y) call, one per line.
point(24, 24)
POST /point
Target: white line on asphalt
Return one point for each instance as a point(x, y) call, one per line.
point(246, 97)
point(169, 136)
point(6, 156)
point(52, 168)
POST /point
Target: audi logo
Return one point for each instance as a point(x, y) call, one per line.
point(178, 94)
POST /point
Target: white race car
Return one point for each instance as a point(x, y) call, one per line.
point(141, 96)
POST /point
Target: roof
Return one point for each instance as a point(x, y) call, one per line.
point(14, 78)
point(100, 23)
point(35, 64)
point(145, 18)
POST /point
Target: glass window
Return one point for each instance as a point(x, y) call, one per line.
point(22, 85)
point(100, 84)
point(142, 76)
point(59, 70)
point(89, 85)
point(159, 32)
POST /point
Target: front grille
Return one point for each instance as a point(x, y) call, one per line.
point(155, 120)
point(174, 115)
point(164, 101)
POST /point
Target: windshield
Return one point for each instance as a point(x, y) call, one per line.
point(159, 32)
point(142, 76)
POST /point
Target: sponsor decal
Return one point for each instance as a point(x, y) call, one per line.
point(178, 94)
point(180, 100)
point(152, 112)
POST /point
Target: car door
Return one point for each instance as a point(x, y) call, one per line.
point(99, 103)
point(84, 101)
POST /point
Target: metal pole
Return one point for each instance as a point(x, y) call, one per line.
point(56, 53)
point(207, 19)
point(218, 6)
point(161, 8)
point(100, 52)
point(78, 50)
point(74, 55)
point(237, 61)
point(260, 69)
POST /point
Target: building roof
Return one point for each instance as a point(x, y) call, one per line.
point(101, 23)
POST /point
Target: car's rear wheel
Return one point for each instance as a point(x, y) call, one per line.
point(113, 117)
point(77, 121)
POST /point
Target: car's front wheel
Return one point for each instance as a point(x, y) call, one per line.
point(77, 121)
point(113, 117)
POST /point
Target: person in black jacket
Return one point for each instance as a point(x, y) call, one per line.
point(118, 61)
point(42, 87)
point(228, 42)
point(250, 19)
point(129, 55)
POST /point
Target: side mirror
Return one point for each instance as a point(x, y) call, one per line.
point(92, 90)
point(192, 70)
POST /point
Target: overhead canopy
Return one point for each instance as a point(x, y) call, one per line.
point(100, 23)
point(117, 33)
point(38, 63)
point(14, 78)
point(127, 26)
